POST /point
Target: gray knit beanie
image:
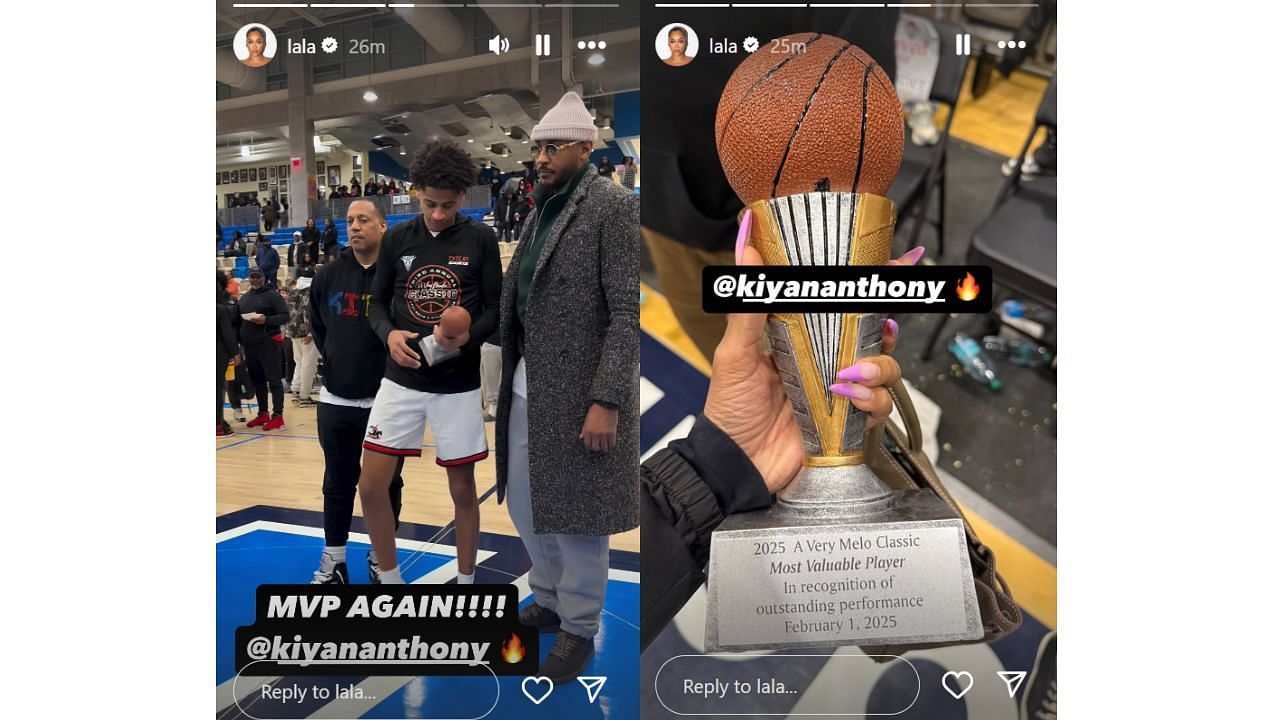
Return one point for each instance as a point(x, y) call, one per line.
point(568, 120)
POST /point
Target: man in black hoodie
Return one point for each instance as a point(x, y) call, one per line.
point(263, 312)
point(436, 261)
point(354, 359)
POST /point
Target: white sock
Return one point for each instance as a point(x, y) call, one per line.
point(338, 553)
point(391, 577)
point(467, 579)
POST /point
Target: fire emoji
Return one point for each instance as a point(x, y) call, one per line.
point(513, 650)
point(968, 288)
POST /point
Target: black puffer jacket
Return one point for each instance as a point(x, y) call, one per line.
point(686, 490)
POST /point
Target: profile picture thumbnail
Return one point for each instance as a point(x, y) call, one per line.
point(254, 45)
point(676, 44)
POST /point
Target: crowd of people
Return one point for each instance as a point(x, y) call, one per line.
point(264, 345)
point(372, 187)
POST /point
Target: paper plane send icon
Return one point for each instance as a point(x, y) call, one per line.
point(593, 684)
point(1012, 678)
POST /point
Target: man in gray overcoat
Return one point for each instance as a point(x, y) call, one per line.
point(568, 428)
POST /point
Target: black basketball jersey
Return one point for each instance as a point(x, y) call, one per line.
point(419, 277)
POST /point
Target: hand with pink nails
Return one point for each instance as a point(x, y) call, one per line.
point(746, 399)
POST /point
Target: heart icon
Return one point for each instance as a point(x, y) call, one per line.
point(963, 686)
point(537, 700)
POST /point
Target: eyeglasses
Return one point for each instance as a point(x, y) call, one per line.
point(552, 149)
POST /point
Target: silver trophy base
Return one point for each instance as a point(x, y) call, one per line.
point(885, 571)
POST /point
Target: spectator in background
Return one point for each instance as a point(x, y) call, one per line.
point(269, 215)
point(228, 349)
point(268, 261)
point(371, 187)
point(235, 248)
point(511, 191)
point(495, 189)
point(520, 210)
point(606, 168)
point(232, 287)
point(284, 210)
point(355, 186)
point(500, 212)
point(306, 266)
point(287, 364)
point(329, 241)
point(311, 237)
point(294, 257)
point(629, 170)
point(305, 354)
point(263, 312)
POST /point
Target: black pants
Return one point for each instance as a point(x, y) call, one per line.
point(222, 385)
point(264, 366)
point(342, 430)
point(289, 364)
point(239, 388)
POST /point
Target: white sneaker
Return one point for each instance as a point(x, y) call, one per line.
point(238, 414)
point(330, 572)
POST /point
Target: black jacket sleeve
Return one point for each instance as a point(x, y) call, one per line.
point(227, 341)
point(687, 489)
point(315, 310)
point(279, 315)
point(490, 292)
point(233, 306)
point(384, 281)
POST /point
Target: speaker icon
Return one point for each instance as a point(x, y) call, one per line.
point(499, 44)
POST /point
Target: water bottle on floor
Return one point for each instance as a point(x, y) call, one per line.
point(969, 354)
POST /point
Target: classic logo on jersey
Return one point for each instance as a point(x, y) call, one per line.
point(459, 260)
point(374, 433)
point(408, 261)
point(429, 291)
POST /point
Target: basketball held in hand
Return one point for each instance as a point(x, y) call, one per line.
point(805, 113)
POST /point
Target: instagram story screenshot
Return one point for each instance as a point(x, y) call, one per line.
point(428, 413)
point(849, 504)
point(785, 417)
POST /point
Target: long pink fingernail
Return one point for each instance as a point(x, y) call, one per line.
point(855, 392)
point(913, 257)
point(892, 325)
point(859, 372)
point(744, 234)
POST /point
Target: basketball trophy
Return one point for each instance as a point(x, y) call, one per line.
point(811, 140)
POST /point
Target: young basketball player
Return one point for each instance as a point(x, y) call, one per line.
point(428, 265)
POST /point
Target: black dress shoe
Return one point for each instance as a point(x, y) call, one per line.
point(568, 658)
point(536, 616)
